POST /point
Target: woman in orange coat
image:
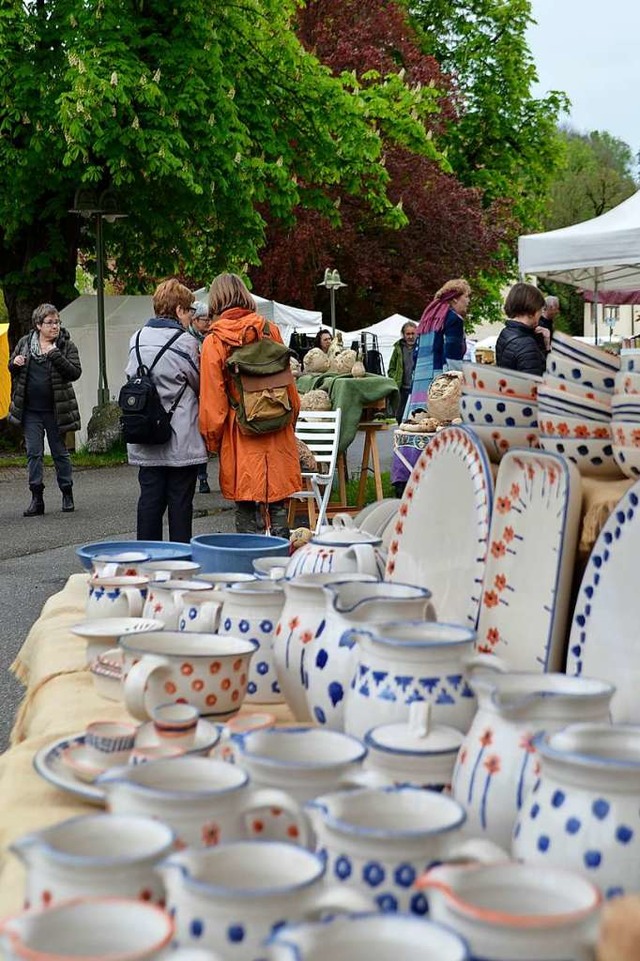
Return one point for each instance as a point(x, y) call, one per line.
point(259, 472)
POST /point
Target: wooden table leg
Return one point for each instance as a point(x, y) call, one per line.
point(377, 476)
point(364, 468)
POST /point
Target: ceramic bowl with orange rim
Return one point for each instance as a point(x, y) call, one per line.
point(498, 380)
point(558, 425)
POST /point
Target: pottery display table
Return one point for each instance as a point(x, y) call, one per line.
point(60, 700)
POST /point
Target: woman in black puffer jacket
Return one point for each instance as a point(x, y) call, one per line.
point(521, 345)
point(43, 366)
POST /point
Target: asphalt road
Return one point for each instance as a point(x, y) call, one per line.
point(37, 554)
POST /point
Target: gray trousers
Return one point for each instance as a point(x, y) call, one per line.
point(250, 518)
point(34, 424)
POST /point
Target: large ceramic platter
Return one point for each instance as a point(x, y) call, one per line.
point(440, 535)
point(532, 546)
point(604, 635)
point(49, 764)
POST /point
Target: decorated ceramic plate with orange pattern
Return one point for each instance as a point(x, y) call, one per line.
point(440, 535)
point(532, 546)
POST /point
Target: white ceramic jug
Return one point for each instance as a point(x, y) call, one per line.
point(252, 610)
point(333, 551)
point(330, 663)
point(230, 898)
point(497, 762)
point(205, 801)
point(583, 814)
point(94, 855)
point(122, 596)
point(515, 912)
point(380, 840)
point(303, 612)
point(200, 611)
point(399, 664)
point(165, 599)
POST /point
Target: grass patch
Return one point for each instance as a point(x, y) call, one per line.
point(370, 490)
point(81, 459)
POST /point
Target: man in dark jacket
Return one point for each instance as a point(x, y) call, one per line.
point(401, 365)
point(521, 345)
point(43, 366)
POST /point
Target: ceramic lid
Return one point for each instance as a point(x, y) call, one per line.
point(344, 537)
point(417, 736)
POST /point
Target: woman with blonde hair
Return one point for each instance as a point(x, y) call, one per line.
point(258, 471)
point(441, 341)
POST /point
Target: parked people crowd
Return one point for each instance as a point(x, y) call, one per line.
point(167, 473)
point(43, 366)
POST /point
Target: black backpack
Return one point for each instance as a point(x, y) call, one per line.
point(143, 419)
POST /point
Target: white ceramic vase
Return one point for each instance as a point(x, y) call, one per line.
point(252, 610)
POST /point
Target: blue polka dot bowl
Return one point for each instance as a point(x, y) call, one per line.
point(578, 372)
point(378, 841)
point(582, 813)
point(593, 456)
point(251, 609)
point(481, 407)
point(229, 899)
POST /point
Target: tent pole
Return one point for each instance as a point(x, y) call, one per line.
point(595, 306)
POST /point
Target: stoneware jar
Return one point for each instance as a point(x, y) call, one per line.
point(399, 664)
point(122, 596)
point(583, 814)
point(252, 610)
point(330, 663)
point(230, 898)
point(336, 550)
point(205, 801)
point(366, 937)
point(497, 762)
point(303, 613)
point(380, 840)
point(166, 599)
point(94, 855)
point(515, 912)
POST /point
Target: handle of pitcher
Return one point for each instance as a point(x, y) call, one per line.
point(484, 662)
point(339, 899)
point(135, 600)
point(481, 850)
point(136, 683)
point(274, 798)
point(366, 559)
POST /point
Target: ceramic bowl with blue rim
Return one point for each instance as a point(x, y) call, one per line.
point(156, 550)
point(489, 409)
point(499, 380)
point(498, 440)
point(627, 382)
point(575, 349)
point(558, 425)
point(628, 460)
point(573, 404)
point(592, 457)
point(578, 391)
point(575, 372)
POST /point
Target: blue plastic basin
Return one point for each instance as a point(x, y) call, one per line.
point(235, 552)
point(157, 550)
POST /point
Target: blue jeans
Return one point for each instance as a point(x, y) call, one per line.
point(34, 425)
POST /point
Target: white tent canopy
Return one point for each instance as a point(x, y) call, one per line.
point(602, 252)
point(388, 331)
point(287, 318)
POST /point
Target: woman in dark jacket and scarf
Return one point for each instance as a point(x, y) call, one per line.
point(43, 366)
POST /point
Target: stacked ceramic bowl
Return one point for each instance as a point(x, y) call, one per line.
point(501, 407)
point(575, 405)
point(626, 422)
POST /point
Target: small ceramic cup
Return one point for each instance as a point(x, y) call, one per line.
point(154, 752)
point(109, 743)
point(175, 724)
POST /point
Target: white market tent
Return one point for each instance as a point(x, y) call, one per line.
point(388, 331)
point(125, 315)
point(600, 253)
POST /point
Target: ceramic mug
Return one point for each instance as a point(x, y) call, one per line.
point(231, 897)
point(179, 569)
point(165, 599)
point(366, 937)
point(206, 801)
point(94, 855)
point(513, 912)
point(209, 671)
point(199, 612)
point(116, 596)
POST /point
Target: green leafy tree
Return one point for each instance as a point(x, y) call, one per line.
point(203, 117)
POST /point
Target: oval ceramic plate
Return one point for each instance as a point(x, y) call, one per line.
point(440, 536)
point(532, 546)
point(111, 628)
point(604, 635)
point(50, 765)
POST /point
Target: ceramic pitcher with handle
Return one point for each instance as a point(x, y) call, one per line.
point(252, 610)
point(167, 599)
point(336, 550)
point(583, 812)
point(402, 663)
point(330, 663)
point(303, 612)
point(498, 762)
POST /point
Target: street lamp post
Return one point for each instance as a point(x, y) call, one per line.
point(332, 282)
point(101, 207)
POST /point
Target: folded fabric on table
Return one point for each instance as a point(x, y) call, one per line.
point(351, 395)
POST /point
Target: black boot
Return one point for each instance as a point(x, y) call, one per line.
point(67, 499)
point(36, 507)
